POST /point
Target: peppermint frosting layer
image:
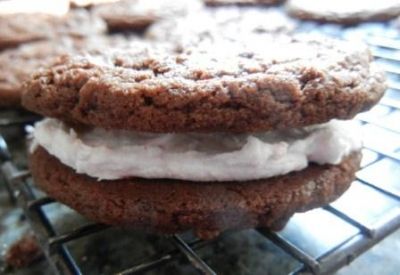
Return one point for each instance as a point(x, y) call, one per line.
point(115, 154)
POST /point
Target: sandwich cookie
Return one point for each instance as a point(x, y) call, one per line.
point(203, 138)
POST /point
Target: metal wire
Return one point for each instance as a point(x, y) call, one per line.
point(158, 260)
point(60, 259)
point(62, 262)
point(192, 257)
point(369, 232)
point(309, 262)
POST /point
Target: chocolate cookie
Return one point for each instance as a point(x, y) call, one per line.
point(88, 3)
point(137, 15)
point(17, 65)
point(229, 23)
point(241, 2)
point(21, 28)
point(276, 83)
point(24, 252)
point(172, 206)
point(344, 12)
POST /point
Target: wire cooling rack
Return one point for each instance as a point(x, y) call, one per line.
point(366, 214)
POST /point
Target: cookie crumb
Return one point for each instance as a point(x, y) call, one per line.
point(23, 252)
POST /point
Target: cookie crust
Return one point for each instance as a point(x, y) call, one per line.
point(171, 206)
point(228, 87)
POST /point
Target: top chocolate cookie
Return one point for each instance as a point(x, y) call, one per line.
point(276, 82)
point(21, 28)
point(344, 11)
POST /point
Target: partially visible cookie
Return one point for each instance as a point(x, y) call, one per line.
point(20, 28)
point(344, 11)
point(88, 3)
point(137, 15)
point(173, 206)
point(277, 82)
point(24, 252)
point(241, 2)
point(229, 23)
point(58, 7)
point(17, 65)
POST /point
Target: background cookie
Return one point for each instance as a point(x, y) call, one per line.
point(277, 83)
point(21, 28)
point(137, 15)
point(344, 11)
point(59, 7)
point(88, 3)
point(171, 206)
point(241, 2)
point(231, 23)
point(17, 65)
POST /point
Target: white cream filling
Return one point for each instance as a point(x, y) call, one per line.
point(119, 154)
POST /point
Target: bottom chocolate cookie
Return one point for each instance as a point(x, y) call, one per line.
point(173, 206)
